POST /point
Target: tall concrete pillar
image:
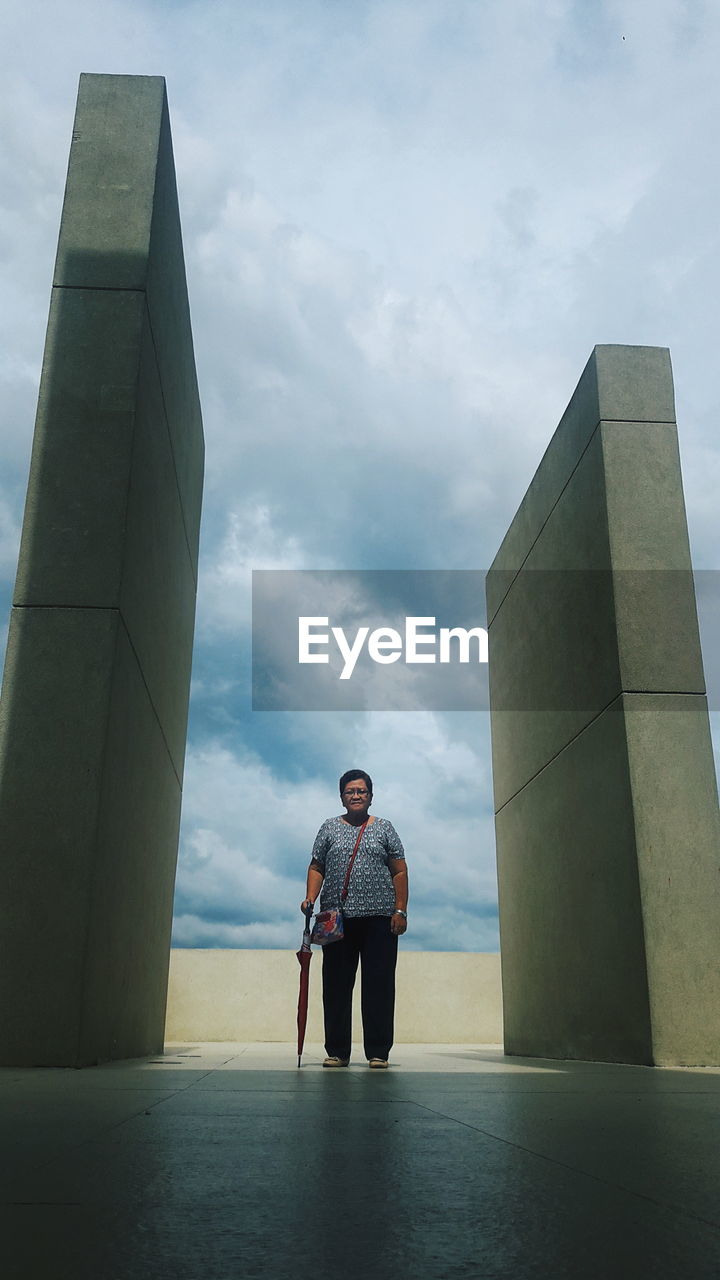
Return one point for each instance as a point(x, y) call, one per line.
point(95, 694)
point(608, 841)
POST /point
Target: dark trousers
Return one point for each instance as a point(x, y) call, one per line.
point(370, 940)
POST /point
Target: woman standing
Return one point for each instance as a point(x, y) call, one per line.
point(374, 912)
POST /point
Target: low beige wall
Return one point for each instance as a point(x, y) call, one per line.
point(443, 997)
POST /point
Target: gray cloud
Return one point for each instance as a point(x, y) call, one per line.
point(406, 225)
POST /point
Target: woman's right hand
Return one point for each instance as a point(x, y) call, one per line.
point(308, 902)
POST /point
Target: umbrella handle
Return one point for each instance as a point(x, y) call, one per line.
point(308, 914)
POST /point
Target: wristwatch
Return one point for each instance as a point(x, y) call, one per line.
point(398, 912)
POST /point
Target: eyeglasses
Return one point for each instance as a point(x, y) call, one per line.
point(356, 791)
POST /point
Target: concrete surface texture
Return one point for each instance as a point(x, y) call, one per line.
point(225, 1161)
point(605, 793)
point(443, 997)
point(95, 694)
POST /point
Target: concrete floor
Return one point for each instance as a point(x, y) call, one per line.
point(222, 1161)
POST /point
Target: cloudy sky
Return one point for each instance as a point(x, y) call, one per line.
point(406, 225)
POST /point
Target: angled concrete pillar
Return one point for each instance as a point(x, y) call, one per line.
point(95, 693)
point(608, 842)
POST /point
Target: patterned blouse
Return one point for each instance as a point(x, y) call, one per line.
point(370, 892)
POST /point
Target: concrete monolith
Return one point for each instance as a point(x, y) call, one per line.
point(95, 694)
point(605, 794)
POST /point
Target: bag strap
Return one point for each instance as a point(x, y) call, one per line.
point(344, 893)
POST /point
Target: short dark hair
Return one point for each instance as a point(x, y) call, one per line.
point(351, 775)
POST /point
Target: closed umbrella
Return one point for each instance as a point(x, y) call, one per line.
point(304, 956)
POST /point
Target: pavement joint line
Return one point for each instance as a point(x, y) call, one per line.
point(594, 1177)
point(99, 1134)
point(51, 1204)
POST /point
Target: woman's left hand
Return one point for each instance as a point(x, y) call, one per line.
point(398, 923)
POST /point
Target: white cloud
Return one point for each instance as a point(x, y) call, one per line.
point(248, 829)
point(9, 538)
point(251, 541)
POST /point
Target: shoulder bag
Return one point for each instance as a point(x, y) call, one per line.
point(329, 926)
